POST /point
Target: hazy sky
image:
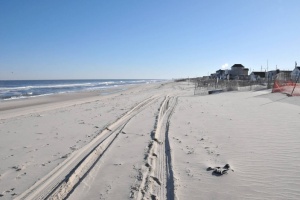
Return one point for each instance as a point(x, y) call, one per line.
point(145, 38)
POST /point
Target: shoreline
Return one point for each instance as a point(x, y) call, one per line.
point(24, 89)
point(57, 100)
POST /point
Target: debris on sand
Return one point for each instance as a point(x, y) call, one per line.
point(219, 171)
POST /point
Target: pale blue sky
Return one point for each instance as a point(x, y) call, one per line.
point(144, 38)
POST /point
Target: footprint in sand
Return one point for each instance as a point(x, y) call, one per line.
point(16, 168)
point(156, 180)
point(20, 176)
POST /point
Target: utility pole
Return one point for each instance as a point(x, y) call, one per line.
point(267, 73)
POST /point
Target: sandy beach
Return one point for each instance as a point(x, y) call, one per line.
point(151, 141)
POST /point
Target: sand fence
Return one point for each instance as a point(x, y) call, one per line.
point(204, 87)
point(287, 85)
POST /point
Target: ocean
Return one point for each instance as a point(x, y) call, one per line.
point(17, 89)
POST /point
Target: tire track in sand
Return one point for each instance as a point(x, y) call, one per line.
point(62, 180)
point(158, 179)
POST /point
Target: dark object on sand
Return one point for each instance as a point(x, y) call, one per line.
point(219, 171)
point(214, 91)
point(227, 166)
point(209, 169)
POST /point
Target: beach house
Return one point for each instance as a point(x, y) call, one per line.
point(213, 76)
point(237, 72)
point(205, 78)
point(271, 75)
point(295, 73)
point(221, 74)
point(255, 76)
point(284, 75)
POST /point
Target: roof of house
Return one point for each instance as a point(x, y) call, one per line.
point(285, 71)
point(246, 69)
point(261, 74)
point(274, 71)
point(298, 67)
point(237, 65)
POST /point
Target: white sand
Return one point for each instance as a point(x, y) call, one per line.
point(151, 141)
point(257, 137)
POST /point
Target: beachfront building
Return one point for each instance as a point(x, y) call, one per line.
point(284, 75)
point(205, 78)
point(255, 76)
point(295, 73)
point(271, 75)
point(213, 76)
point(221, 74)
point(237, 72)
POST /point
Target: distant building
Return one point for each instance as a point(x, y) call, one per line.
point(213, 76)
point(238, 71)
point(271, 75)
point(255, 76)
point(296, 73)
point(220, 74)
point(284, 75)
point(246, 71)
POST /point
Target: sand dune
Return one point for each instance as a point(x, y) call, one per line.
point(155, 141)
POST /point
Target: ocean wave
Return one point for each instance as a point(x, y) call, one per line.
point(29, 96)
point(58, 86)
point(44, 86)
point(24, 89)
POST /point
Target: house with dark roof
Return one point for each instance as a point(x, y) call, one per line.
point(295, 74)
point(284, 75)
point(255, 76)
point(220, 74)
point(213, 76)
point(205, 77)
point(238, 71)
point(271, 75)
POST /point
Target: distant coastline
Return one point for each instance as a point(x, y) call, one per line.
point(20, 89)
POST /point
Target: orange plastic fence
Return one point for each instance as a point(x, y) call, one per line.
point(286, 87)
